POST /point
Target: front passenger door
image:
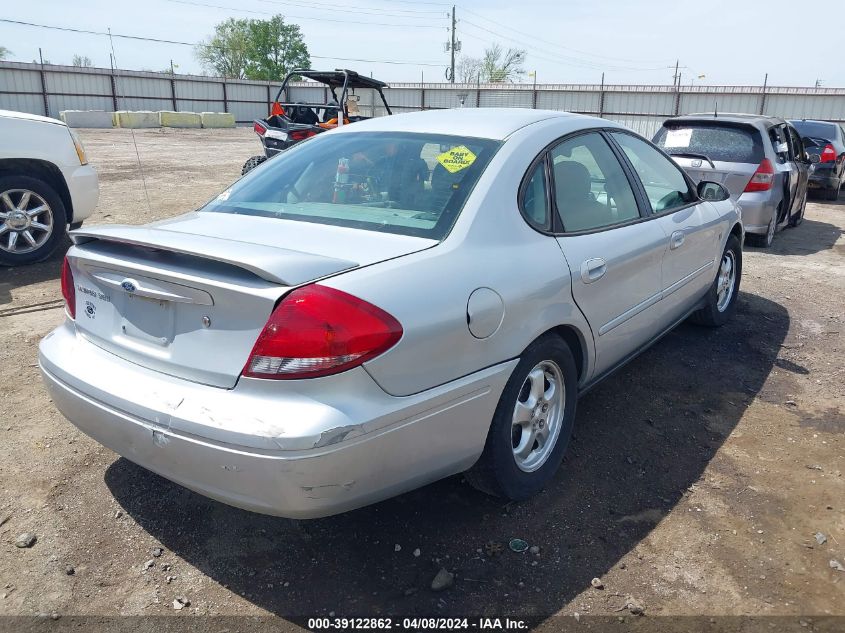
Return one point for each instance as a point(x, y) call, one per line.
point(614, 256)
point(691, 226)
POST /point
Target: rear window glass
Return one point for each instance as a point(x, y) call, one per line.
point(718, 143)
point(409, 184)
point(815, 129)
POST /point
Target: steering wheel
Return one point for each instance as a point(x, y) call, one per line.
point(670, 199)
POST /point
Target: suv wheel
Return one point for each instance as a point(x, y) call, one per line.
point(32, 220)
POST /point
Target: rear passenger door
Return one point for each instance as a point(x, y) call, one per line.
point(690, 225)
point(785, 166)
point(615, 257)
point(796, 150)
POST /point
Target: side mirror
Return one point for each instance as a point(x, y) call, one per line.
point(712, 191)
point(815, 158)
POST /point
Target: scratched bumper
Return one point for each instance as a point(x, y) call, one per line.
point(299, 449)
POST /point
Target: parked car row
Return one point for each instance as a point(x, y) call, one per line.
point(767, 163)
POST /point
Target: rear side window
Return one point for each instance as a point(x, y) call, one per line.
point(591, 189)
point(815, 129)
point(723, 143)
point(535, 201)
point(394, 182)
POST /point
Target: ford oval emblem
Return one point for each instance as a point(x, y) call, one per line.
point(128, 285)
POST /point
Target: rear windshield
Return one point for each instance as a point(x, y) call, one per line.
point(815, 129)
point(395, 182)
point(717, 142)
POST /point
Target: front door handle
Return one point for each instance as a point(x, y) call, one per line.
point(593, 270)
point(677, 240)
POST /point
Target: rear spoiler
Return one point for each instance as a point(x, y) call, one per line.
point(278, 265)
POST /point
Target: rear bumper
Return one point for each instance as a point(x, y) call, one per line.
point(84, 187)
point(823, 179)
point(758, 208)
point(269, 447)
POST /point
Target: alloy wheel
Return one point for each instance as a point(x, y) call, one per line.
point(726, 281)
point(26, 221)
point(538, 416)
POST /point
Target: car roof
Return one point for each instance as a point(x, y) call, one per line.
point(492, 123)
point(11, 114)
point(729, 117)
point(335, 78)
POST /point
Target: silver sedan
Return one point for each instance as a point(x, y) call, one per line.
point(388, 304)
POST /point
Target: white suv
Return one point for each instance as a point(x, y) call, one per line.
point(46, 186)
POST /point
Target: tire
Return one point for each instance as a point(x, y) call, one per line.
point(716, 311)
point(765, 241)
point(252, 163)
point(26, 238)
point(832, 195)
point(498, 471)
point(797, 218)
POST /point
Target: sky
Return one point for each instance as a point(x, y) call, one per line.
point(716, 42)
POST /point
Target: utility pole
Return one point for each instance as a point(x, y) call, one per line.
point(675, 76)
point(452, 49)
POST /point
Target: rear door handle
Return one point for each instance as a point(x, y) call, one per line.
point(677, 240)
point(593, 270)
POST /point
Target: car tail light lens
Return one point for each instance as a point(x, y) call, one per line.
point(301, 135)
point(317, 331)
point(68, 289)
point(763, 178)
point(259, 129)
point(828, 154)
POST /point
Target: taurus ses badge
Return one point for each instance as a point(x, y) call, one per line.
point(128, 285)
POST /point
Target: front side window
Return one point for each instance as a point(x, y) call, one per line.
point(665, 185)
point(395, 182)
point(591, 189)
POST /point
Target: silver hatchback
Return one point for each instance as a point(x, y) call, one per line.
point(388, 304)
point(759, 159)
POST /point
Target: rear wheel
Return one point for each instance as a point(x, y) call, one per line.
point(765, 241)
point(32, 220)
point(532, 424)
point(832, 194)
point(720, 302)
point(798, 217)
point(252, 163)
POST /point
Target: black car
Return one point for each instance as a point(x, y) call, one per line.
point(827, 141)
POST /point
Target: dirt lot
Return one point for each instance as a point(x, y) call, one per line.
point(696, 482)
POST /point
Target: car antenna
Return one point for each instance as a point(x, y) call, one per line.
point(715, 109)
point(131, 129)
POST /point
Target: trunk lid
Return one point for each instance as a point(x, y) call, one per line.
point(177, 298)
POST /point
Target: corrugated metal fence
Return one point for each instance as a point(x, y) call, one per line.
point(48, 89)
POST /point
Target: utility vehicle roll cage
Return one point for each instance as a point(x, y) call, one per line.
point(341, 78)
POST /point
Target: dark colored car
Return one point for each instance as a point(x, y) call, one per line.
point(290, 123)
point(827, 141)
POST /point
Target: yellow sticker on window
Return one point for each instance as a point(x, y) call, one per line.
point(456, 159)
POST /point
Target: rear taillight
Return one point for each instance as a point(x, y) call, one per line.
point(828, 154)
point(317, 331)
point(301, 135)
point(259, 129)
point(763, 178)
point(68, 289)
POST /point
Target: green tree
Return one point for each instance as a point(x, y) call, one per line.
point(501, 66)
point(275, 49)
point(254, 49)
point(4, 52)
point(82, 61)
point(224, 53)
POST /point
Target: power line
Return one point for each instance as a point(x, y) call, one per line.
point(315, 4)
point(555, 45)
point(555, 57)
point(201, 44)
point(303, 17)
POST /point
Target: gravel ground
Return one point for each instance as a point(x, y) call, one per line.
point(696, 484)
